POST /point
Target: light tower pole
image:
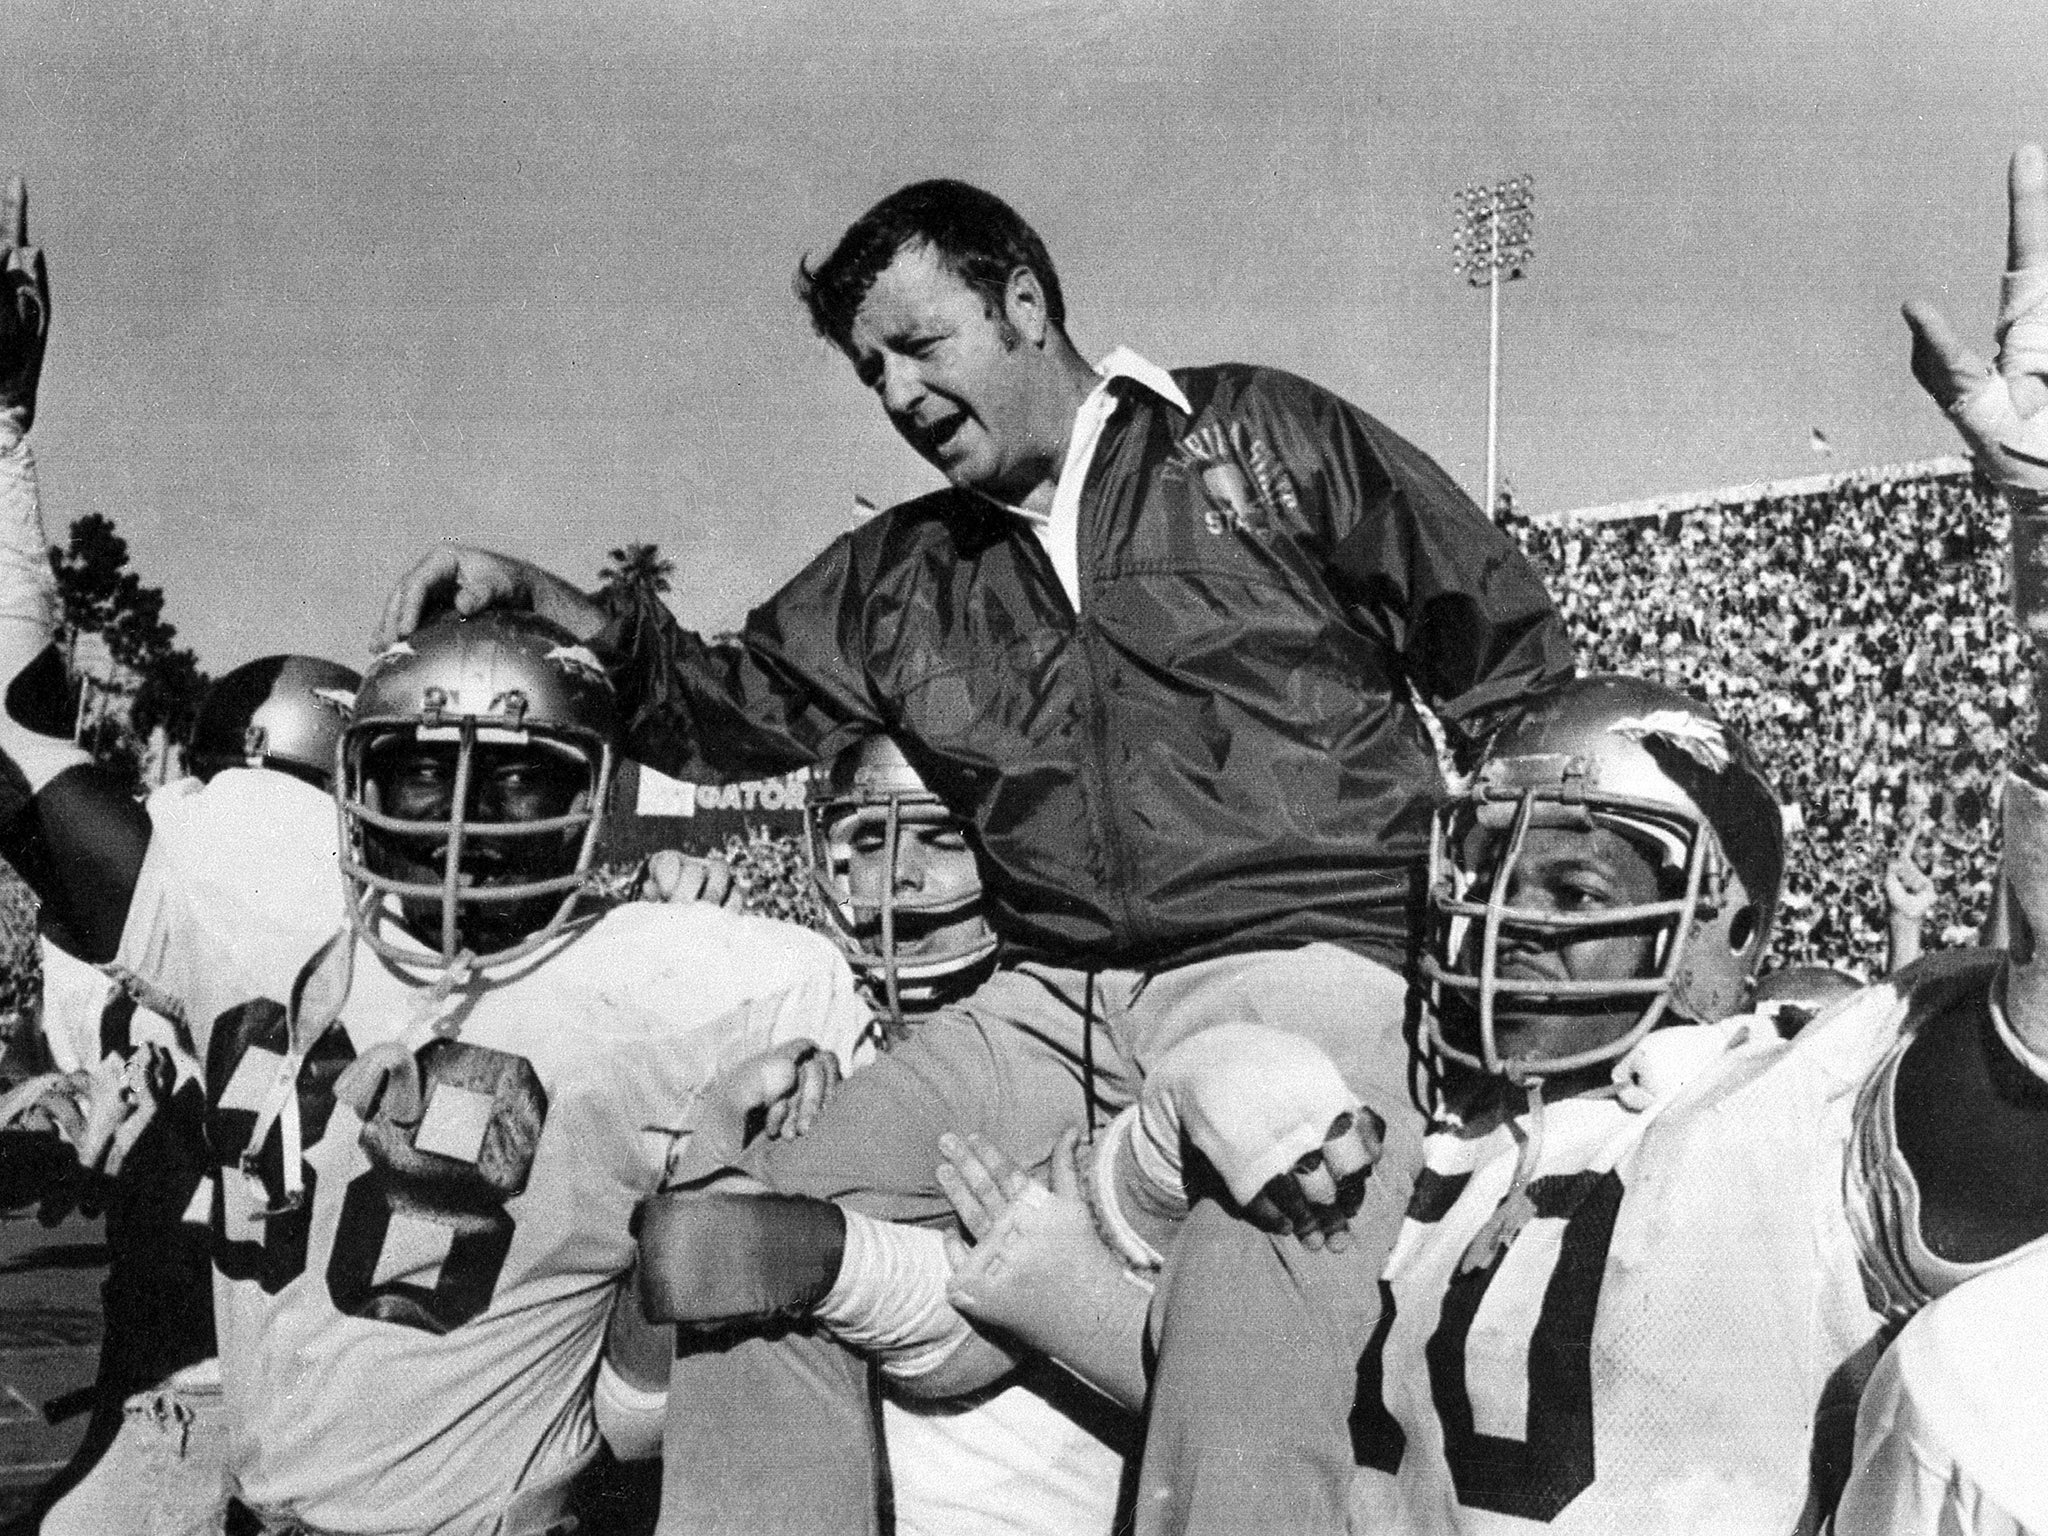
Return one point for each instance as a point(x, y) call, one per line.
point(1492, 243)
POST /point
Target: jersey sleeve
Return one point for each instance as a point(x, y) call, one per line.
point(75, 995)
point(1947, 1432)
point(758, 984)
point(159, 943)
point(240, 875)
point(821, 1006)
point(1901, 1270)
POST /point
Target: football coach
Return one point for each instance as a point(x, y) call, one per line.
point(1157, 642)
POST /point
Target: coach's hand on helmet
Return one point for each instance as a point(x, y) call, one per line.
point(468, 581)
point(2000, 411)
point(24, 314)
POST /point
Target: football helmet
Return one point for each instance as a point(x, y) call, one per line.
point(1646, 761)
point(906, 914)
point(500, 680)
point(281, 712)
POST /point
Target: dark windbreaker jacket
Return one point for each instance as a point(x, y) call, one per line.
point(1220, 752)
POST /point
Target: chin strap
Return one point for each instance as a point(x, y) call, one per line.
point(390, 1069)
point(318, 996)
point(388, 1074)
point(1516, 1209)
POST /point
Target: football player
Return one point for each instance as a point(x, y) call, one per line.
point(437, 1081)
point(278, 712)
point(879, 1287)
point(1631, 1290)
point(897, 875)
point(156, 1438)
point(73, 830)
point(431, 1127)
point(1948, 1435)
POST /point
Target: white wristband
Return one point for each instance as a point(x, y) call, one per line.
point(629, 1416)
point(1116, 1225)
point(889, 1299)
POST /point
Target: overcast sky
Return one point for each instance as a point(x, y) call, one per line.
point(334, 282)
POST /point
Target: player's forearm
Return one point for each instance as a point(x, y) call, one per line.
point(72, 830)
point(2024, 872)
point(2024, 852)
point(1904, 941)
point(715, 1263)
point(2029, 585)
point(976, 1361)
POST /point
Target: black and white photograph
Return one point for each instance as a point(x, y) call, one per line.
point(1031, 768)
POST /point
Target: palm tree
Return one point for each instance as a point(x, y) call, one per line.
point(637, 566)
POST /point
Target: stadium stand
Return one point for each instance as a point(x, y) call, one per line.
point(1853, 625)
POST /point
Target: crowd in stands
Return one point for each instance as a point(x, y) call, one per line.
point(1860, 638)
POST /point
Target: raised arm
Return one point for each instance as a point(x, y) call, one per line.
point(1971, 1092)
point(69, 828)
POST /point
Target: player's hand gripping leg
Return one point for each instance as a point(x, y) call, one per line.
point(1040, 1271)
point(1317, 1197)
point(1273, 1116)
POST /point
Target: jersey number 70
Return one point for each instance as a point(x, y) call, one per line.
point(1536, 1477)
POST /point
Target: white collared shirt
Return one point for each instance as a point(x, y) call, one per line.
point(1059, 527)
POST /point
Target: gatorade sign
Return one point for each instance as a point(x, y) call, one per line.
point(650, 810)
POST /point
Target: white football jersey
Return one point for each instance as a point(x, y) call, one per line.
point(1950, 1436)
point(1658, 1349)
point(415, 1344)
point(1044, 1456)
point(86, 1014)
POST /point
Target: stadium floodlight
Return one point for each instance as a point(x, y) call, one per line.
point(1493, 243)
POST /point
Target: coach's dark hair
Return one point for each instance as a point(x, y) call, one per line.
point(978, 235)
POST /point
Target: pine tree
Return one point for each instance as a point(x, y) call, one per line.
point(150, 680)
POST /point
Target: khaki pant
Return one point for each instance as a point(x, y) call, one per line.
point(1037, 1049)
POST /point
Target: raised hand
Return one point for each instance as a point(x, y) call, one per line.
point(467, 581)
point(24, 310)
point(2000, 410)
point(1908, 889)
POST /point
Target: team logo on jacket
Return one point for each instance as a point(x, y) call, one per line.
point(1246, 485)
